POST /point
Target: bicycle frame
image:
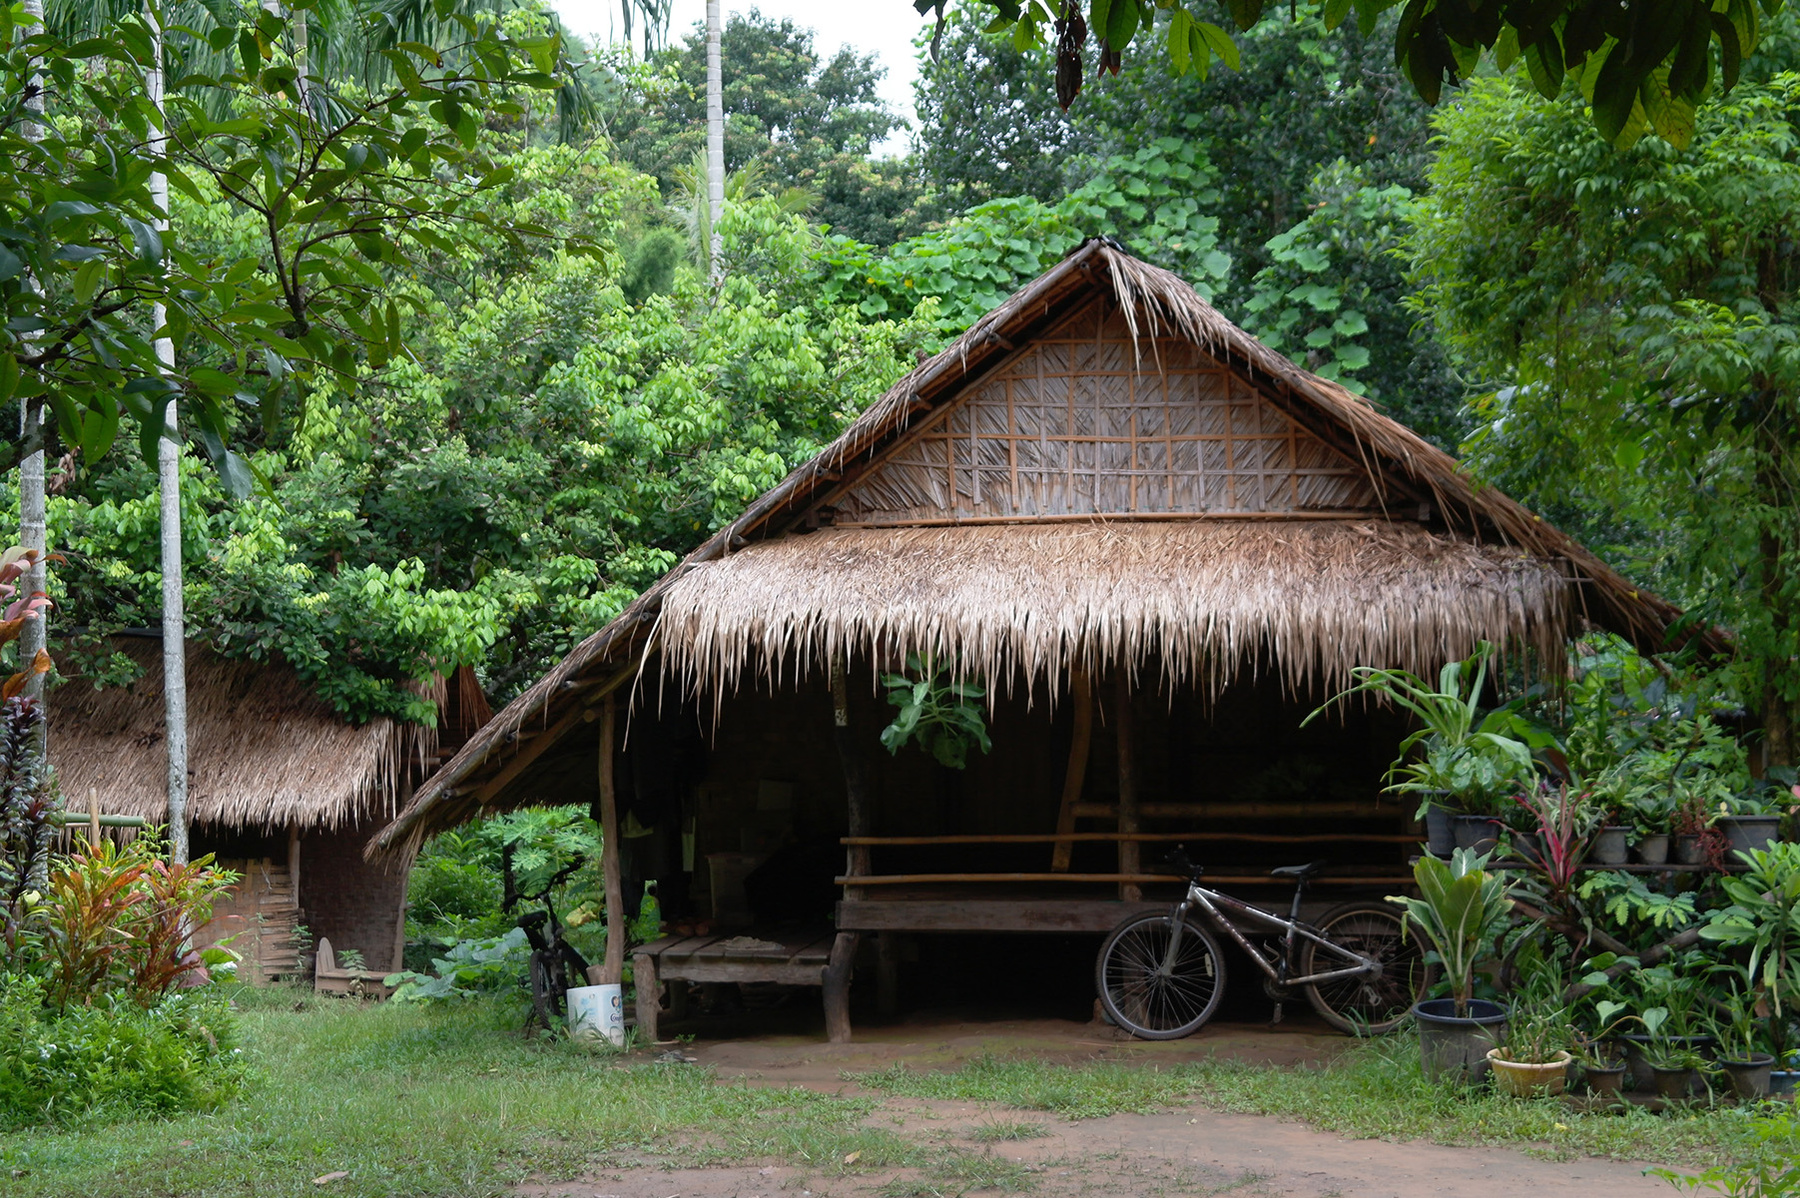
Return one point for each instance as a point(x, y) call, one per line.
point(1213, 903)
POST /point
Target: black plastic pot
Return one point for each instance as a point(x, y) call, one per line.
point(1672, 1082)
point(1652, 850)
point(1453, 1046)
point(1608, 1081)
point(1749, 1078)
point(1750, 831)
point(1782, 1082)
point(1637, 1060)
point(1609, 846)
point(1440, 839)
point(1478, 832)
point(1687, 850)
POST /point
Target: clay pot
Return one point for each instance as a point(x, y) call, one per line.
point(1523, 1079)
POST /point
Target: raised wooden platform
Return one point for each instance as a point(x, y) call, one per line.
point(793, 957)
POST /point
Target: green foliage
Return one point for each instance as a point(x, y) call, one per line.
point(1461, 910)
point(944, 714)
point(1644, 71)
point(304, 289)
point(806, 119)
point(469, 968)
point(1771, 1169)
point(1763, 918)
point(1156, 200)
point(1635, 312)
point(1479, 758)
point(113, 1057)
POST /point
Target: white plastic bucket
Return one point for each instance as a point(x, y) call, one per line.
point(597, 1013)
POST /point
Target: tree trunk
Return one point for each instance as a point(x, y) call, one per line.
point(32, 535)
point(168, 481)
point(715, 145)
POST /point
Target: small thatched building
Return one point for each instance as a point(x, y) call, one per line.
point(1156, 541)
point(280, 789)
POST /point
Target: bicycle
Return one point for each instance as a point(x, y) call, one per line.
point(554, 962)
point(1160, 977)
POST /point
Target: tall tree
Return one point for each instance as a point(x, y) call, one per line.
point(804, 118)
point(1639, 315)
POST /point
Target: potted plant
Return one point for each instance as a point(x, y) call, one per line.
point(1697, 842)
point(1751, 820)
point(1467, 759)
point(1735, 1025)
point(1667, 1055)
point(1533, 1059)
point(1650, 810)
point(1461, 909)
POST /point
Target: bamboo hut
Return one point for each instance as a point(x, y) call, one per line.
point(1157, 543)
point(280, 789)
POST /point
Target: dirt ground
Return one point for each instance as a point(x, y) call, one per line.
point(1184, 1152)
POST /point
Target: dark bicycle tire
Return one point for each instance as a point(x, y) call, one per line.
point(1139, 996)
point(1367, 1006)
point(547, 995)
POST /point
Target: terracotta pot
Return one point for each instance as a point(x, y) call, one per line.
point(1525, 1079)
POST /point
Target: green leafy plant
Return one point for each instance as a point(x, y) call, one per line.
point(1461, 910)
point(1538, 1022)
point(1763, 920)
point(471, 967)
point(1478, 757)
point(943, 714)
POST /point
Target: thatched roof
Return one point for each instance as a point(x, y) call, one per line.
point(264, 752)
point(1406, 563)
point(1021, 604)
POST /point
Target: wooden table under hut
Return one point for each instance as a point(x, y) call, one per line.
point(1155, 545)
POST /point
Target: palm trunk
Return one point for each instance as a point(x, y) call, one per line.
point(715, 144)
point(168, 478)
point(31, 471)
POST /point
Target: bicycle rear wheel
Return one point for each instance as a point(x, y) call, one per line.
point(1371, 1004)
point(547, 989)
point(1147, 993)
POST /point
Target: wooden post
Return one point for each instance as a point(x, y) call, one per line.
point(293, 861)
point(93, 817)
point(649, 1001)
point(1128, 796)
point(1081, 694)
point(836, 975)
point(612, 968)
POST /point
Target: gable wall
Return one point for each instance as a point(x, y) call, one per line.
point(1084, 423)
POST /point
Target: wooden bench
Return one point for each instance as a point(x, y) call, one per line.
point(328, 978)
point(790, 957)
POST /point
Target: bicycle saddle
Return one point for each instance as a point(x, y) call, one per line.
point(1298, 872)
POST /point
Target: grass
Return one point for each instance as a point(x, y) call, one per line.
point(437, 1101)
point(449, 1102)
point(1372, 1091)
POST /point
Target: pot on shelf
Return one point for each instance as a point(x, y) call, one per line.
point(1478, 832)
point(1747, 832)
point(1749, 1078)
point(1687, 849)
point(1672, 1081)
point(1529, 1079)
point(1652, 850)
point(1609, 846)
point(1527, 847)
point(1440, 836)
point(1455, 1047)
point(1607, 1081)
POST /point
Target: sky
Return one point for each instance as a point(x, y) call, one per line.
point(884, 28)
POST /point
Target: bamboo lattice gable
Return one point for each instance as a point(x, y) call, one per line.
point(1089, 420)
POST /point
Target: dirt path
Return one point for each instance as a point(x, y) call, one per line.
point(1189, 1152)
point(1186, 1153)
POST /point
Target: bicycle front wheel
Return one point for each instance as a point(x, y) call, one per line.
point(547, 987)
point(1155, 994)
point(1373, 1003)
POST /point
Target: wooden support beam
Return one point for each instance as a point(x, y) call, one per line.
point(649, 993)
point(1248, 809)
point(541, 741)
point(1347, 879)
point(1081, 694)
point(835, 979)
point(1142, 838)
point(1129, 891)
point(612, 967)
